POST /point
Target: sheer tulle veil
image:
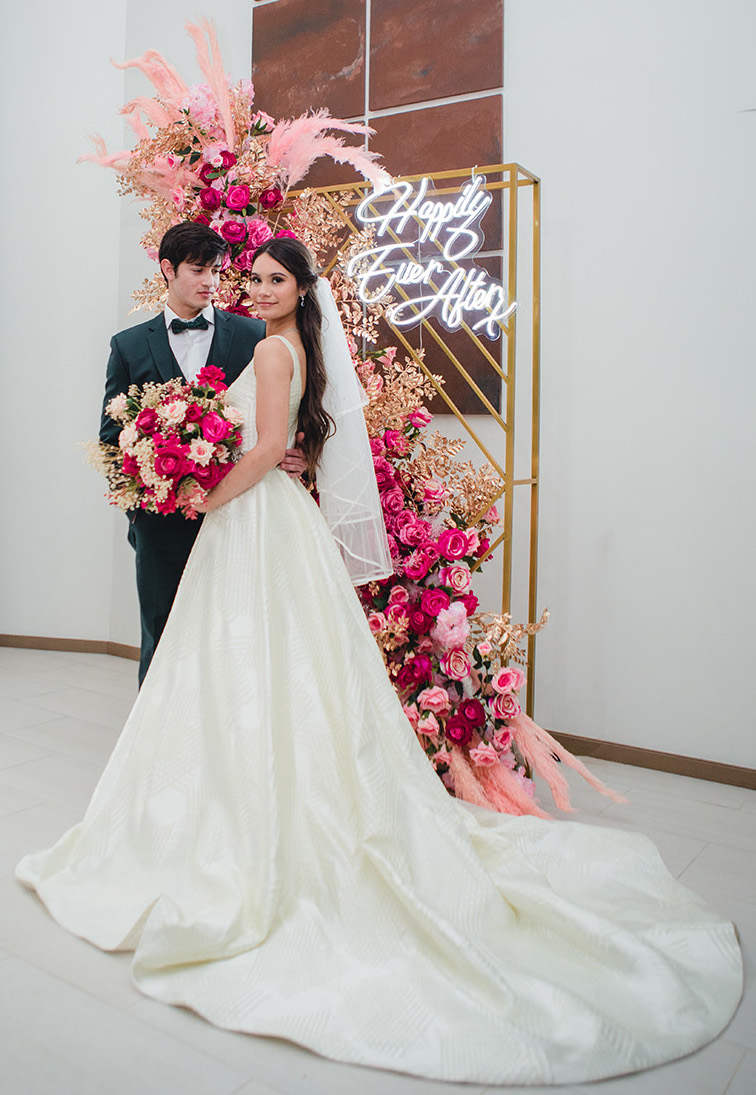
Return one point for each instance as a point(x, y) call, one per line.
point(347, 488)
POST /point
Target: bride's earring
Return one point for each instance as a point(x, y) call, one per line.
point(301, 301)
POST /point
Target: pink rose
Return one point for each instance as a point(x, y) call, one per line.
point(504, 707)
point(285, 234)
point(398, 595)
point(384, 474)
point(210, 199)
point(428, 725)
point(215, 428)
point(458, 731)
point(502, 739)
point(420, 418)
point(433, 601)
point(473, 541)
point(233, 232)
point(435, 699)
point(417, 565)
point(396, 442)
point(258, 232)
point(228, 159)
point(377, 447)
point(510, 679)
point(441, 756)
point(484, 755)
point(392, 501)
point(269, 199)
point(410, 710)
point(244, 261)
point(452, 543)
point(376, 622)
point(456, 664)
point(414, 532)
point(387, 356)
point(492, 515)
point(456, 577)
point(484, 648)
point(434, 491)
point(397, 613)
point(199, 219)
point(237, 197)
point(201, 452)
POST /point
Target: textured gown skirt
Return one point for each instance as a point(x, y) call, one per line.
point(270, 840)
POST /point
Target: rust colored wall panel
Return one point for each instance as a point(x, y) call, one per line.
point(423, 49)
point(307, 54)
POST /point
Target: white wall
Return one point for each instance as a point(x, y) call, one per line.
point(635, 116)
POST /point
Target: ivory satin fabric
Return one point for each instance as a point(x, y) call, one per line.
point(270, 840)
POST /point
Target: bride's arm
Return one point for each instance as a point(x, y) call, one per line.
point(273, 369)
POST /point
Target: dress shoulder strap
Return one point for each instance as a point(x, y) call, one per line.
point(294, 357)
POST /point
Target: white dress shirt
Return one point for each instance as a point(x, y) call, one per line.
point(191, 348)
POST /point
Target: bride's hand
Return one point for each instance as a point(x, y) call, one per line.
point(294, 463)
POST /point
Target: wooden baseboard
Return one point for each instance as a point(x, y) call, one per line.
point(712, 770)
point(73, 646)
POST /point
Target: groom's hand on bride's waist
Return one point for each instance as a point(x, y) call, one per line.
point(294, 463)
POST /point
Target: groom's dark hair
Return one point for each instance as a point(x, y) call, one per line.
point(190, 242)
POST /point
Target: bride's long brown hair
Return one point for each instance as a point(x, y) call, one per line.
point(314, 422)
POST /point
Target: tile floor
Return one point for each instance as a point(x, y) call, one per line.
point(71, 1022)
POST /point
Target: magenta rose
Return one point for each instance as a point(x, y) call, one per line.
point(396, 442)
point(237, 197)
point(208, 476)
point(215, 428)
point(244, 261)
point(210, 199)
point(384, 474)
point(229, 159)
point(238, 310)
point(147, 420)
point(269, 199)
point(207, 173)
point(414, 533)
point(170, 462)
point(233, 232)
point(193, 412)
point(483, 547)
point(168, 505)
point(452, 543)
point(285, 234)
point(472, 711)
point(433, 601)
point(417, 565)
point(376, 446)
point(458, 730)
point(130, 465)
point(419, 622)
point(421, 667)
point(201, 219)
point(212, 377)
point(392, 501)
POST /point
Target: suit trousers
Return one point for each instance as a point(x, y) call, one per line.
point(162, 543)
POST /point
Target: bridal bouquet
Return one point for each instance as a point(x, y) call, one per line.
point(177, 441)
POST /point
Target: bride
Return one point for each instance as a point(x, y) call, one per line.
point(271, 842)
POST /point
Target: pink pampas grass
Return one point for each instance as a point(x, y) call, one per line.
point(212, 69)
point(295, 145)
point(539, 749)
point(161, 74)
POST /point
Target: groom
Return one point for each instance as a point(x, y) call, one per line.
point(189, 334)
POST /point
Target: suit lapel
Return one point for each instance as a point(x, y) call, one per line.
point(160, 348)
point(220, 348)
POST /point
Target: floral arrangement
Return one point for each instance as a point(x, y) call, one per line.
point(176, 442)
point(206, 153)
point(448, 661)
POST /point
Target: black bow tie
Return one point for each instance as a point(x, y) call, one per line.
point(197, 324)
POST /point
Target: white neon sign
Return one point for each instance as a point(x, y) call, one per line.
point(438, 234)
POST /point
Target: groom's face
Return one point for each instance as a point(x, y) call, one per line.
point(191, 286)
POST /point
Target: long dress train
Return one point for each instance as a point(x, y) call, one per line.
point(270, 840)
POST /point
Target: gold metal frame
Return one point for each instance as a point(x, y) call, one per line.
point(508, 179)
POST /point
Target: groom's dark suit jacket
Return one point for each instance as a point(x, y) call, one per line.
point(140, 355)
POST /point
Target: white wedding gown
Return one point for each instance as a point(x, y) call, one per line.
point(271, 841)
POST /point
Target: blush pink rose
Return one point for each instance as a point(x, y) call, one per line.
point(502, 739)
point(484, 755)
point(456, 664)
point(420, 418)
point(128, 435)
point(435, 699)
point(456, 577)
point(398, 613)
point(412, 713)
point(377, 622)
point(427, 725)
point(398, 595)
point(510, 679)
point(504, 707)
point(434, 491)
point(473, 541)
